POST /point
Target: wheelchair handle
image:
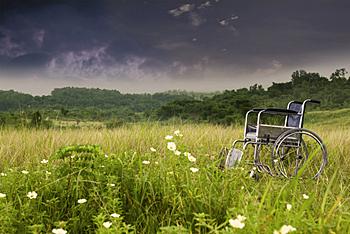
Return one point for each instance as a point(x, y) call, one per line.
point(313, 101)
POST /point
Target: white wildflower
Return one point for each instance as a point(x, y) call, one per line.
point(191, 158)
point(156, 162)
point(153, 149)
point(178, 133)
point(169, 137)
point(177, 153)
point(238, 222)
point(107, 224)
point(146, 162)
point(59, 231)
point(241, 218)
point(25, 172)
point(2, 195)
point(106, 155)
point(3, 174)
point(115, 215)
point(285, 229)
point(47, 173)
point(289, 206)
point(112, 185)
point(171, 146)
point(194, 169)
point(32, 195)
point(81, 201)
point(44, 161)
point(305, 196)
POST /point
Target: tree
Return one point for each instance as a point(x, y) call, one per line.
point(36, 119)
point(339, 74)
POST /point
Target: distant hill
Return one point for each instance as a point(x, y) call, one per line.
point(84, 97)
point(85, 103)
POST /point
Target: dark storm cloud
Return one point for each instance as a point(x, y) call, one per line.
point(168, 39)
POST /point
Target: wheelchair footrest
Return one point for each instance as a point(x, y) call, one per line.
point(233, 158)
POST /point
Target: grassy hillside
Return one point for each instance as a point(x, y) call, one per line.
point(332, 118)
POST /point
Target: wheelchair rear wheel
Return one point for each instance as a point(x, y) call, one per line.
point(299, 152)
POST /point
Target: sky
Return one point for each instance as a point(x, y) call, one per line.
point(138, 46)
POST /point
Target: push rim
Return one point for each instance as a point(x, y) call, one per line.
point(294, 155)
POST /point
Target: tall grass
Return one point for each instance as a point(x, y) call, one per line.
point(164, 195)
point(26, 146)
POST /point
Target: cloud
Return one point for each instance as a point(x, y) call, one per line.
point(229, 20)
point(8, 47)
point(204, 5)
point(180, 69)
point(39, 37)
point(86, 63)
point(273, 67)
point(196, 19)
point(229, 24)
point(181, 9)
point(97, 64)
point(172, 45)
point(223, 22)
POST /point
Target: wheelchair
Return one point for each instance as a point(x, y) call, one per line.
point(286, 150)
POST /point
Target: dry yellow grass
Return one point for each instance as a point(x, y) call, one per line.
point(19, 147)
point(22, 146)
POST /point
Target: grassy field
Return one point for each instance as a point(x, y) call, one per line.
point(125, 186)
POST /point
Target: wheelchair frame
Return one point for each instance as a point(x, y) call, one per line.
point(283, 140)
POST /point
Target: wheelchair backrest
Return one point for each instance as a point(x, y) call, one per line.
point(295, 121)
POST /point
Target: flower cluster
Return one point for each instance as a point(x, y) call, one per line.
point(190, 157)
point(171, 146)
point(32, 195)
point(285, 229)
point(81, 201)
point(59, 231)
point(194, 169)
point(115, 215)
point(107, 224)
point(238, 222)
point(44, 161)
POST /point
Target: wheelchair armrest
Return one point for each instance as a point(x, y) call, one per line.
point(277, 111)
point(257, 109)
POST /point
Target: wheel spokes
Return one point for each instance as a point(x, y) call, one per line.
point(299, 153)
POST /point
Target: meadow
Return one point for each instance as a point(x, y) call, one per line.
point(127, 180)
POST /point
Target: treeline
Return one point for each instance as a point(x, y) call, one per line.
point(84, 98)
point(84, 104)
point(231, 106)
point(224, 108)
